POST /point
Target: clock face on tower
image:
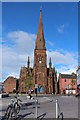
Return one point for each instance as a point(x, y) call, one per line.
point(40, 58)
point(40, 61)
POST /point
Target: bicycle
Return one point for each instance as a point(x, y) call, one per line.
point(13, 108)
point(17, 105)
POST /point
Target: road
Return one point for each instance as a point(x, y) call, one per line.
point(47, 107)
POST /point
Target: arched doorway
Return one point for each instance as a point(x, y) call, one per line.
point(41, 89)
point(38, 90)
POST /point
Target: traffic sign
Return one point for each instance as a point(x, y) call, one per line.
point(36, 85)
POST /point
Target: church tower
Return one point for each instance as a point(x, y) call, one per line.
point(40, 66)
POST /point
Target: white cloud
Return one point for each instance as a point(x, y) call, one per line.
point(24, 42)
point(16, 55)
point(60, 57)
point(12, 61)
point(64, 61)
point(50, 43)
point(14, 75)
point(60, 28)
point(67, 69)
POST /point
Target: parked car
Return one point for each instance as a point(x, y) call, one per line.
point(78, 91)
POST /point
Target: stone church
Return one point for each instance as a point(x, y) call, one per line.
point(45, 78)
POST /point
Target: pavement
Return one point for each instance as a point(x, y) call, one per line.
point(46, 108)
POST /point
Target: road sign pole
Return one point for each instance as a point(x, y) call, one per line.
point(36, 87)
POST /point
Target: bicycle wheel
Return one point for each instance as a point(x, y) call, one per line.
point(17, 108)
point(8, 112)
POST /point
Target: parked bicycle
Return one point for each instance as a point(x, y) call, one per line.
point(13, 108)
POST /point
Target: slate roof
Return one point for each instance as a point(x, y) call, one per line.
point(74, 76)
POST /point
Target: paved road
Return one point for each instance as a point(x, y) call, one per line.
point(68, 105)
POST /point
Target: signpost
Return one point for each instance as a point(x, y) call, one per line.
point(36, 86)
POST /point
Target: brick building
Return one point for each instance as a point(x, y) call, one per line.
point(10, 85)
point(67, 83)
point(1, 87)
point(45, 78)
point(78, 79)
point(78, 75)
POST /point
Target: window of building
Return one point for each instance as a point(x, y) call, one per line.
point(65, 80)
point(38, 89)
point(68, 86)
point(65, 85)
point(68, 80)
point(41, 89)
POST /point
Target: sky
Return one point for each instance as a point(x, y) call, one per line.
point(19, 31)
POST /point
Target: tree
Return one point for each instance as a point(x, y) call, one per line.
point(73, 83)
point(29, 81)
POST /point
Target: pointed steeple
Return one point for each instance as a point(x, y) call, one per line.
point(28, 63)
point(21, 71)
point(40, 27)
point(40, 41)
point(50, 63)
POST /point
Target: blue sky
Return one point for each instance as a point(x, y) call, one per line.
point(19, 30)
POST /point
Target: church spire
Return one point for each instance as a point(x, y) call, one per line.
point(21, 71)
point(50, 63)
point(40, 41)
point(40, 27)
point(28, 63)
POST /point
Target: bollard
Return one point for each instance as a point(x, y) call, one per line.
point(61, 115)
point(36, 108)
point(0, 96)
point(56, 108)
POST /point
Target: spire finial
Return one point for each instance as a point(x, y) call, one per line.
point(28, 59)
point(21, 69)
point(50, 60)
point(41, 9)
